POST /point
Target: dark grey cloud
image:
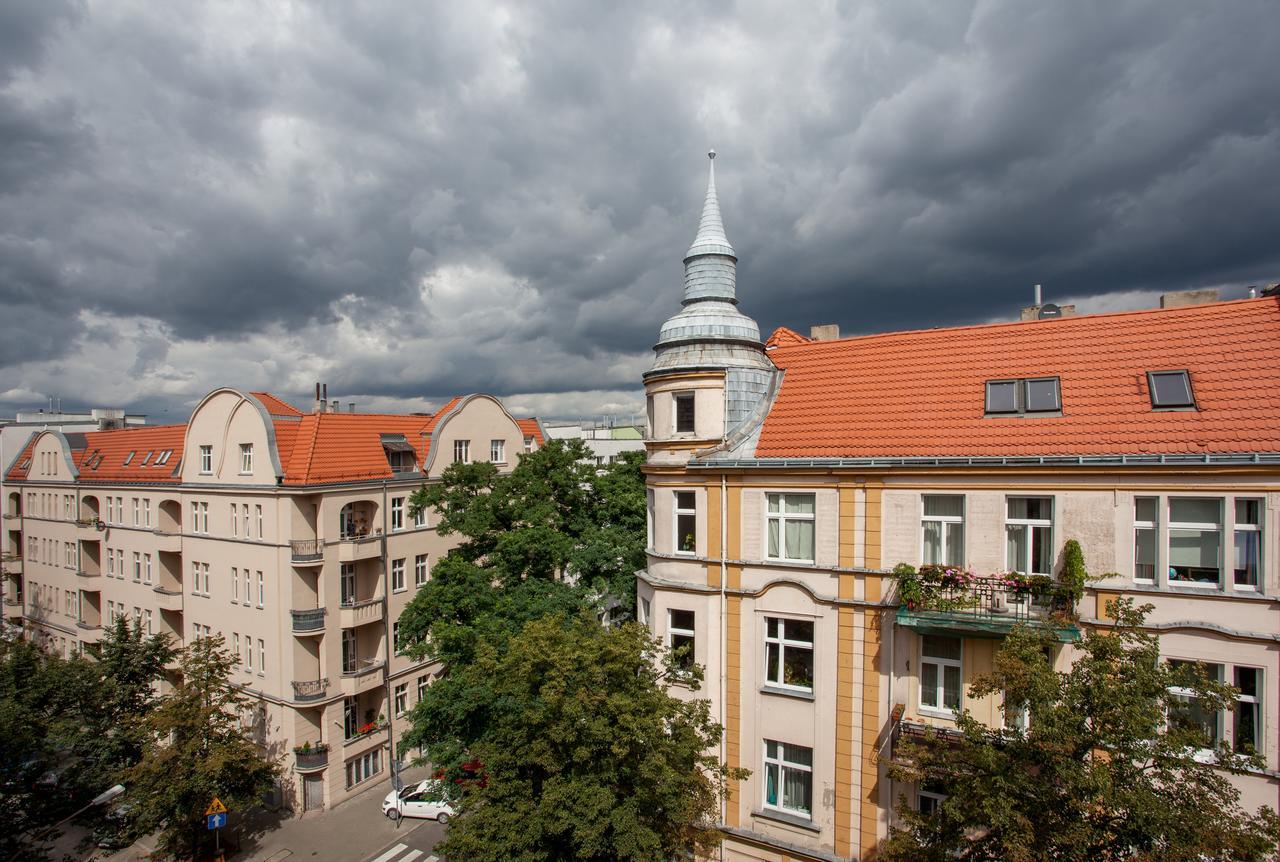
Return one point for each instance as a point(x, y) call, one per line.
point(412, 200)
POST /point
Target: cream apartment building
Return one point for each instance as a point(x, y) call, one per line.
point(786, 478)
point(288, 533)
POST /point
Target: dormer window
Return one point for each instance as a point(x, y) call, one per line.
point(399, 453)
point(1170, 390)
point(1023, 395)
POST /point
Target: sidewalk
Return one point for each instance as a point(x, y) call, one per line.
point(352, 831)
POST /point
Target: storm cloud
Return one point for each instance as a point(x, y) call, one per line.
point(412, 200)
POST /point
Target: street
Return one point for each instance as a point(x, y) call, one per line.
point(415, 845)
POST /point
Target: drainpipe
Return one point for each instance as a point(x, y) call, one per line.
point(386, 630)
point(724, 638)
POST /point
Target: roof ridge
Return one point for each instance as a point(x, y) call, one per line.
point(1073, 320)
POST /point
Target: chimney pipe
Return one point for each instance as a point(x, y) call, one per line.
point(336, 406)
point(318, 405)
point(1253, 291)
point(1038, 302)
point(351, 407)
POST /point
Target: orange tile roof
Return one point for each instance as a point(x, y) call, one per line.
point(783, 337)
point(921, 393)
point(100, 455)
point(19, 472)
point(344, 447)
point(531, 428)
point(276, 406)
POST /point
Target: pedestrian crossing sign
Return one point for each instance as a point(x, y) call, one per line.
point(215, 807)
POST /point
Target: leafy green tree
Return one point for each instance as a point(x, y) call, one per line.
point(1110, 766)
point(584, 754)
point(196, 749)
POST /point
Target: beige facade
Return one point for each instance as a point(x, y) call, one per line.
point(303, 568)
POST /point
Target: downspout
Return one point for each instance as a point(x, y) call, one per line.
point(893, 636)
point(386, 632)
point(724, 637)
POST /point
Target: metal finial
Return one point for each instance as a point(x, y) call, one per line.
point(711, 154)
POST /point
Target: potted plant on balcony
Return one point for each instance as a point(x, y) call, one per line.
point(910, 589)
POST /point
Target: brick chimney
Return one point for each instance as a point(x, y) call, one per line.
point(825, 332)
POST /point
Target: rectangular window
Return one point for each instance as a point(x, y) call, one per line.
point(1170, 389)
point(146, 568)
point(146, 511)
point(364, 767)
point(648, 500)
point(789, 527)
point(681, 637)
point(137, 513)
point(257, 511)
point(248, 652)
point(1145, 531)
point(128, 458)
point(111, 510)
point(204, 570)
point(1023, 395)
point(246, 520)
point(788, 647)
point(246, 458)
point(402, 698)
point(235, 520)
point(348, 650)
point(262, 656)
point(686, 522)
point(684, 413)
point(528, 444)
point(1190, 713)
point(137, 567)
point(397, 575)
point(347, 584)
point(146, 616)
point(1029, 535)
point(1248, 567)
point(498, 451)
point(397, 513)
point(235, 585)
point(395, 637)
point(1247, 729)
point(423, 682)
point(350, 717)
point(788, 777)
point(262, 589)
point(462, 451)
point(420, 570)
point(235, 643)
point(206, 460)
point(1195, 542)
point(942, 527)
point(928, 799)
point(940, 673)
point(420, 519)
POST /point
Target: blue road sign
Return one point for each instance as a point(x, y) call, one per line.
point(217, 821)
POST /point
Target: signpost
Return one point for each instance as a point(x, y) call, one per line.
point(216, 818)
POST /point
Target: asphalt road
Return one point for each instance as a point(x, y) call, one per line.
point(414, 843)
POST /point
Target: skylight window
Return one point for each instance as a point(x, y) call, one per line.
point(1023, 395)
point(1170, 389)
point(147, 457)
point(129, 457)
point(163, 458)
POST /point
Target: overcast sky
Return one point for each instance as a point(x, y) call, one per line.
point(411, 200)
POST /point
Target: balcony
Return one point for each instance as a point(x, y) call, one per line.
point(309, 622)
point(309, 690)
point(362, 676)
point(353, 548)
point(12, 516)
point(88, 570)
point(12, 562)
point(168, 600)
point(168, 540)
point(89, 529)
point(311, 759)
point(949, 601)
point(364, 732)
point(306, 552)
point(89, 632)
point(352, 614)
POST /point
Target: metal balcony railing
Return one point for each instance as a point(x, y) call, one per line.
point(311, 689)
point(308, 620)
point(306, 550)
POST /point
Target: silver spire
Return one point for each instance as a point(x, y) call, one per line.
point(710, 265)
point(711, 238)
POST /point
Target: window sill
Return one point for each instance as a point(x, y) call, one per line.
point(945, 714)
point(784, 562)
point(789, 819)
point(787, 692)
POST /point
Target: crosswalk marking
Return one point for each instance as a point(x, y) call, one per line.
point(409, 858)
point(392, 853)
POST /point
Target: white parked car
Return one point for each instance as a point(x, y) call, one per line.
point(424, 800)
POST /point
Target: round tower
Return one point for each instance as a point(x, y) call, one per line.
point(710, 372)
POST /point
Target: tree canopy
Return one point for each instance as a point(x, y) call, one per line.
point(1115, 763)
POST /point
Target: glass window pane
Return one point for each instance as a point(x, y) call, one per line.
point(933, 542)
point(951, 687)
point(798, 667)
point(1145, 509)
point(1247, 681)
point(1247, 512)
point(681, 620)
point(937, 646)
point(1170, 389)
point(1042, 394)
point(1016, 550)
point(773, 529)
point(686, 532)
point(773, 502)
point(799, 630)
point(1041, 551)
point(1002, 396)
point(929, 684)
point(1248, 556)
point(685, 500)
point(949, 505)
point(955, 545)
point(1192, 511)
point(770, 778)
point(1144, 563)
point(799, 504)
point(795, 793)
point(797, 754)
point(1194, 555)
point(1246, 727)
point(771, 627)
point(773, 658)
point(800, 540)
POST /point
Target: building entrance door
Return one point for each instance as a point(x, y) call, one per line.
point(312, 792)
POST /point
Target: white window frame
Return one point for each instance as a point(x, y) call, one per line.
point(940, 691)
point(137, 567)
point(262, 657)
point(1219, 527)
point(423, 682)
point(784, 644)
point(783, 767)
point(206, 460)
point(420, 519)
point(235, 584)
point(676, 398)
point(421, 569)
point(676, 512)
point(782, 517)
point(257, 508)
point(235, 519)
point(498, 451)
point(1205, 755)
point(397, 514)
point(1029, 525)
point(1258, 701)
point(462, 451)
point(946, 523)
point(400, 699)
point(691, 633)
point(397, 576)
point(1240, 527)
point(137, 512)
point(146, 569)
point(262, 589)
point(1154, 526)
point(246, 459)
